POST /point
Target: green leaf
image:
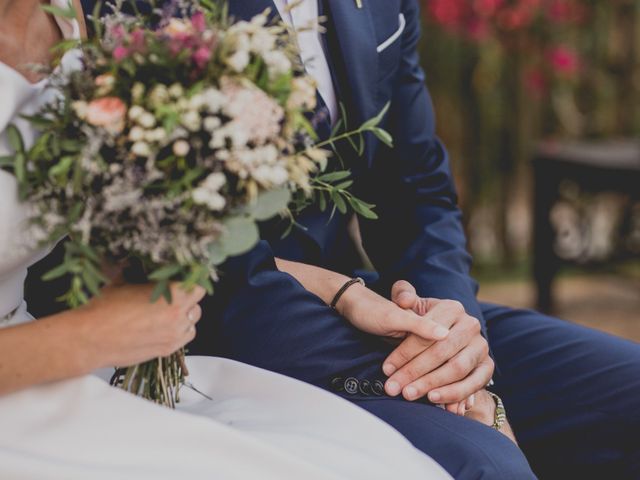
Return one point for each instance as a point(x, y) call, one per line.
point(375, 121)
point(343, 185)
point(61, 169)
point(339, 202)
point(6, 161)
point(217, 256)
point(58, 272)
point(335, 176)
point(161, 290)
point(20, 167)
point(68, 12)
point(384, 136)
point(14, 137)
point(165, 273)
point(240, 235)
point(363, 209)
point(269, 204)
point(322, 201)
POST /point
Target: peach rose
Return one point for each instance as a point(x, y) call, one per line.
point(107, 112)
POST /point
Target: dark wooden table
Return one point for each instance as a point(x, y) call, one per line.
point(595, 166)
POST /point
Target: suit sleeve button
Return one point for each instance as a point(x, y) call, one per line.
point(351, 386)
point(365, 387)
point(378, 388)
point(337, 384)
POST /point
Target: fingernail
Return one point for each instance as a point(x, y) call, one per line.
point(472, 401)
point(393, 388)
point(410, 392)
point(435, 396)
point(388, 369)
point(441, 332)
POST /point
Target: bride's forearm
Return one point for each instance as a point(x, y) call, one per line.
point(319, 281)
point(43, 351)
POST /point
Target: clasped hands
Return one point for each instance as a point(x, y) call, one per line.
point(441, 355)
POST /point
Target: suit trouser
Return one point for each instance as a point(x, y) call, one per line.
point(572, 394)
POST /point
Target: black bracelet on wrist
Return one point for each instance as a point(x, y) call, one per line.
point(344, 288)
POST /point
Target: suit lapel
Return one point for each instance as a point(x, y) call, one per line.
point(357, 39)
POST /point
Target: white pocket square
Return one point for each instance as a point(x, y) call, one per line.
point(402, 24)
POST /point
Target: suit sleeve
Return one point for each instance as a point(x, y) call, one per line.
point(419, 236)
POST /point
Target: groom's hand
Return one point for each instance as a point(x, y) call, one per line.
point(447, 371)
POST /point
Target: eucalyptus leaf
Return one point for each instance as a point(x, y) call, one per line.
point(240, 235)
point(269, 204)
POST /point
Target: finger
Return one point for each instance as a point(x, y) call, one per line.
point(454, 370)
point(472, 384)
point(410, 348)
point(404, 295)
point(194, 315)
point(452, 408)
point(415, 358)
point(190, 334)
point(186, 298)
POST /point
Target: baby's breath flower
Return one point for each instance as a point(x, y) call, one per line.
point(147, 120)
point(141, 149)
point(176, 90)
point(239, 60)
point(181, 148)
point(136, 134)
point(211, 123)
point(80, 107)
point(137, 91)
point(191, 121)
point(135, 112)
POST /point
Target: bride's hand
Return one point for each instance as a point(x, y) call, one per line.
point(372, 313)
point(122, 327)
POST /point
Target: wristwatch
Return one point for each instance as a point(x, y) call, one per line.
point(500, 417)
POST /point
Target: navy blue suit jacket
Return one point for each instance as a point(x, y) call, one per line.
point(419, 235)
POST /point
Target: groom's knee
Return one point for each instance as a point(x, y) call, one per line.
point(465, 448)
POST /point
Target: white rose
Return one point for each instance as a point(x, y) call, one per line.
point(181, 148)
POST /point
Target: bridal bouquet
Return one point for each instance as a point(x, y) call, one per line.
point(167, 147)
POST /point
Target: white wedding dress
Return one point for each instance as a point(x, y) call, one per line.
point(259, 425)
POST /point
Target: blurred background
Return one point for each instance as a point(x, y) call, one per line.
point(538, 102)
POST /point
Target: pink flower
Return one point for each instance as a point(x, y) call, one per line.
point(199, 22)
point(120, 53)
point(564, 60)
point(137, 39)
point(201, 56)
point(108, 113)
